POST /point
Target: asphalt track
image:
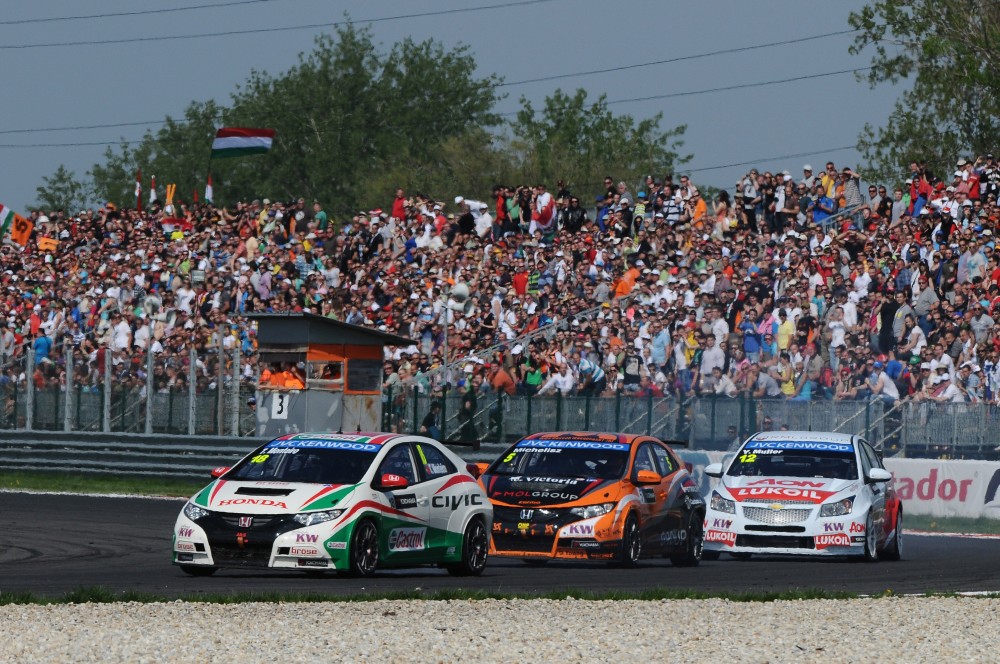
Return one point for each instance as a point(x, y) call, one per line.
point(53, 544)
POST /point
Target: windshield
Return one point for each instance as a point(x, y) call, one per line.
point(315, 465)
point(795, 459)
point(564, 458)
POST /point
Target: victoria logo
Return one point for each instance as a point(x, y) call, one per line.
point(246, 521)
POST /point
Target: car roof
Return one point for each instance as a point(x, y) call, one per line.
point(590, 436)
point(368, 438)
point(810, 436)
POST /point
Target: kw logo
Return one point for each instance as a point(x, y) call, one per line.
point(722, 523)
point(306, 537)
point(833, 527)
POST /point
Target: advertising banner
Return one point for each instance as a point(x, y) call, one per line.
point(948, 487)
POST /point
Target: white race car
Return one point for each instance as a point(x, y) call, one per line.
point(803, 492)
point(345, 502)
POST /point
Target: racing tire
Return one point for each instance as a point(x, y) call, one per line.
point(198, 570)
point(475, 550)
point(710, 555)
point(894, 550)
point(693, 544)
point(363, 553)
point(870, 554)
point(631, 547)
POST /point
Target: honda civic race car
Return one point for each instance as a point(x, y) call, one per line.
point(606, 496)
point(803, 492)
point(351, 503)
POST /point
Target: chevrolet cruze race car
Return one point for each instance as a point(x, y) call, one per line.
point(351, 503)
point(613, 497)
point(803, 492)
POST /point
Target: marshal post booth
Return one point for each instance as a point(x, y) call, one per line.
point(319, 374)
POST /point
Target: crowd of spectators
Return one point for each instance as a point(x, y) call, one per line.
point(805, 286)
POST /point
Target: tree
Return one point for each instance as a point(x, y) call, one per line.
point(951, 49)
point(579, 143)
point(344, 115)
point(60, 191)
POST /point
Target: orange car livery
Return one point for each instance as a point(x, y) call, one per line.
point(584, 495)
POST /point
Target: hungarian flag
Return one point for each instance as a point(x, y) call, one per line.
point(13, 223)
point(208, 189)
point(239, 141)
point(138, 190)
point(152, 190)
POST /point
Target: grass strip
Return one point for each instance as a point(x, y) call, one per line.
point(100, 595)
point(113, 484)
point(952, 524)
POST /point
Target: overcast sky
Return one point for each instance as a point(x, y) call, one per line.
point(55, 85)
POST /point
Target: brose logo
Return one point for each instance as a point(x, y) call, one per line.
point(837, 539)
point(407, 539)
point(304, 551)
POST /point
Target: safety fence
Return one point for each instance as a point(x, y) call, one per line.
point(201, 391)
point(910, 429)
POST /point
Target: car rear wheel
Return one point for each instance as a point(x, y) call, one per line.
point(198, 570)
point(871, 540)
point(895, 549)
point(693, 543)
point(364, 549)
point(631, 548)
point(475, 550)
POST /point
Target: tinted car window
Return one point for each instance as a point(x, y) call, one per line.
point(644, 459)
point(321, 466)
point(399, 462)
point(434, 462)
point(663, 460)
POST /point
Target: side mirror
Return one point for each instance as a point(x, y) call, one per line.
point(477, 469)
point(391, 482)
point(644, 477)
point(879, 475)
point(219, 471)
point(714, 470)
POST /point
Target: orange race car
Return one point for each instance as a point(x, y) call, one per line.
point(603, 496)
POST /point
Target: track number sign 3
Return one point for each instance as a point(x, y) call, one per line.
point(279, 406)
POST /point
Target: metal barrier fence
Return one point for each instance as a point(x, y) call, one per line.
point(907, 428)
point(203, 391)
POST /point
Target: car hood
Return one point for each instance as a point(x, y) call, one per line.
point(789, 489)
point(539, 490)
point(271, 497)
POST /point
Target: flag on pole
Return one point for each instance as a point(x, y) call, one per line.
point(13, 223)
point(152, 190)
point(138, 190)
point(239, 141)
point(208, 189)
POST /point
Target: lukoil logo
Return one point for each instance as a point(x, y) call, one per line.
point(407, 539)
point(837, 539)
point(729, 539)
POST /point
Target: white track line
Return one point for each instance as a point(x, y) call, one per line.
point(929, 533)
point(91, 495)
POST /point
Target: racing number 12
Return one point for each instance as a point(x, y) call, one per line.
point(748, 458)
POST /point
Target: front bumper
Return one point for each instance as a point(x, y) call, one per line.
point(552, 534)
point(269, 542)
point(729, 533)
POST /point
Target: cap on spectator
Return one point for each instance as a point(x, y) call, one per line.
point(878, 365)
point(267, 201)
point(925, 365)
point(458, 199)
point(914, 359)
point(961, 162)
point(807, 167)
point(516, 350)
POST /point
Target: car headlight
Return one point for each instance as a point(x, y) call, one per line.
point(591, 511)
point(720, 504)
point(839, 508)
point(194, 512)
point(312, 518)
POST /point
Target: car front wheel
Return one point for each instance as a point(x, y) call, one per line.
point(871, 540)
point(475, 548)
point(364, 549)
point(631, 548)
